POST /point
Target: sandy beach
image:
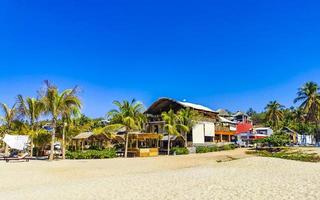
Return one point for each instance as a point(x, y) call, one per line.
point(179, 177)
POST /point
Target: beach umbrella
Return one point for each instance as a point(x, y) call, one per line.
point(18, 142)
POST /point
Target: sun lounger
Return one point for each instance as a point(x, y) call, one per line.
point(19, 158)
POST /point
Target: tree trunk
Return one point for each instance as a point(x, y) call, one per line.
point(186, 140)
point(126, 146)
point(31, 144)
point(169, 141)
point(51, 157)
point(317, 133)
point(6, 149)
point(64, 142)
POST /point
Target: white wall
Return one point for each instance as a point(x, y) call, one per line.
point(201, 130)
point(306, 139)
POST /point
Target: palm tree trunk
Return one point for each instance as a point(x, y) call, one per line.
point(317, 133)
point(6, 149)
point(31, 144)
point(186, 139)
point(64, 142)
point(169, 141)
point(126, 145)
point(51, 157)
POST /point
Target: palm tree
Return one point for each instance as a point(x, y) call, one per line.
point(309, 95)
point(274, 113)
point(172, 125)
point(68, 115)
point(31, 109)
point(9, 115)
point(188, 118)
point(56, 104)
point(128, 115)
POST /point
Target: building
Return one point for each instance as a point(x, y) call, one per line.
point(202, 133)
point(225, 130)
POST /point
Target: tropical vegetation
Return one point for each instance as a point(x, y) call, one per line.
point(54, 115)
point(128, 115)
point(304, 118)
point(286, 153)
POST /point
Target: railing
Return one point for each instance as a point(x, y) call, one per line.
point(222, 128)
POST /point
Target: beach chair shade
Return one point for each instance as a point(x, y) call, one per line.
point(18, 142)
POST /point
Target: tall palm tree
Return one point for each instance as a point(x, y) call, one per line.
point(274, 113)
point(56, 104)
point(309, 97)
point(31, 109)
point(128, 115)
point(9, 115)
point(172, 125)
point(188, 118)
point(68, 116)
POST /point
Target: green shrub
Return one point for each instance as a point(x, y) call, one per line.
point(206, 149)
point(213, 149)
point(228, 147)
point(179, 150)
point(275, 140)
point(202, 149)
point(92, 154)
point(289, 155)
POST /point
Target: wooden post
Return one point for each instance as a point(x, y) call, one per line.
point(229, 138)
point(82, 145)
point(220, 137)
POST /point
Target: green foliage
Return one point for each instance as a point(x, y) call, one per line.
point(287, 154)
point(179, 150)
point(275, 140)
point(187, 118)
point(128, 114)
point(274, 114)
point(202, 149)
point(92, 154)
point(207, 149)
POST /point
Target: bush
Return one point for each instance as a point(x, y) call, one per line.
point(206, 149)
point(289, 155)
point(275, 140)
point(213, 148)
point(202, 149)
point(179, 150)
point(91, 154)
point(228, 147)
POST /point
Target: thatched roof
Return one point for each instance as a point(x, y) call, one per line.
point(165, 104)
point(84, 135)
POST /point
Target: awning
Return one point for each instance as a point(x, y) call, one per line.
point(18, 142)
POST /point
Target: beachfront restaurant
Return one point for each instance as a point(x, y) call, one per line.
point(202, 133)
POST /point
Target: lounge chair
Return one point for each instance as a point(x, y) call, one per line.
point(19, 158)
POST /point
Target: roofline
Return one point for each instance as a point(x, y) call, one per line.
point(178, 102)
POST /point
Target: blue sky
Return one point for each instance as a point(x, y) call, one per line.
point(227, 54)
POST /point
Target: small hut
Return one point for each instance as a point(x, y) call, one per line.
point(143, 144)
point(88, 140)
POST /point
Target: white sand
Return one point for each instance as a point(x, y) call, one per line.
point(180, 177)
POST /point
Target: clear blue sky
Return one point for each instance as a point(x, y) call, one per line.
point(229, 54)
